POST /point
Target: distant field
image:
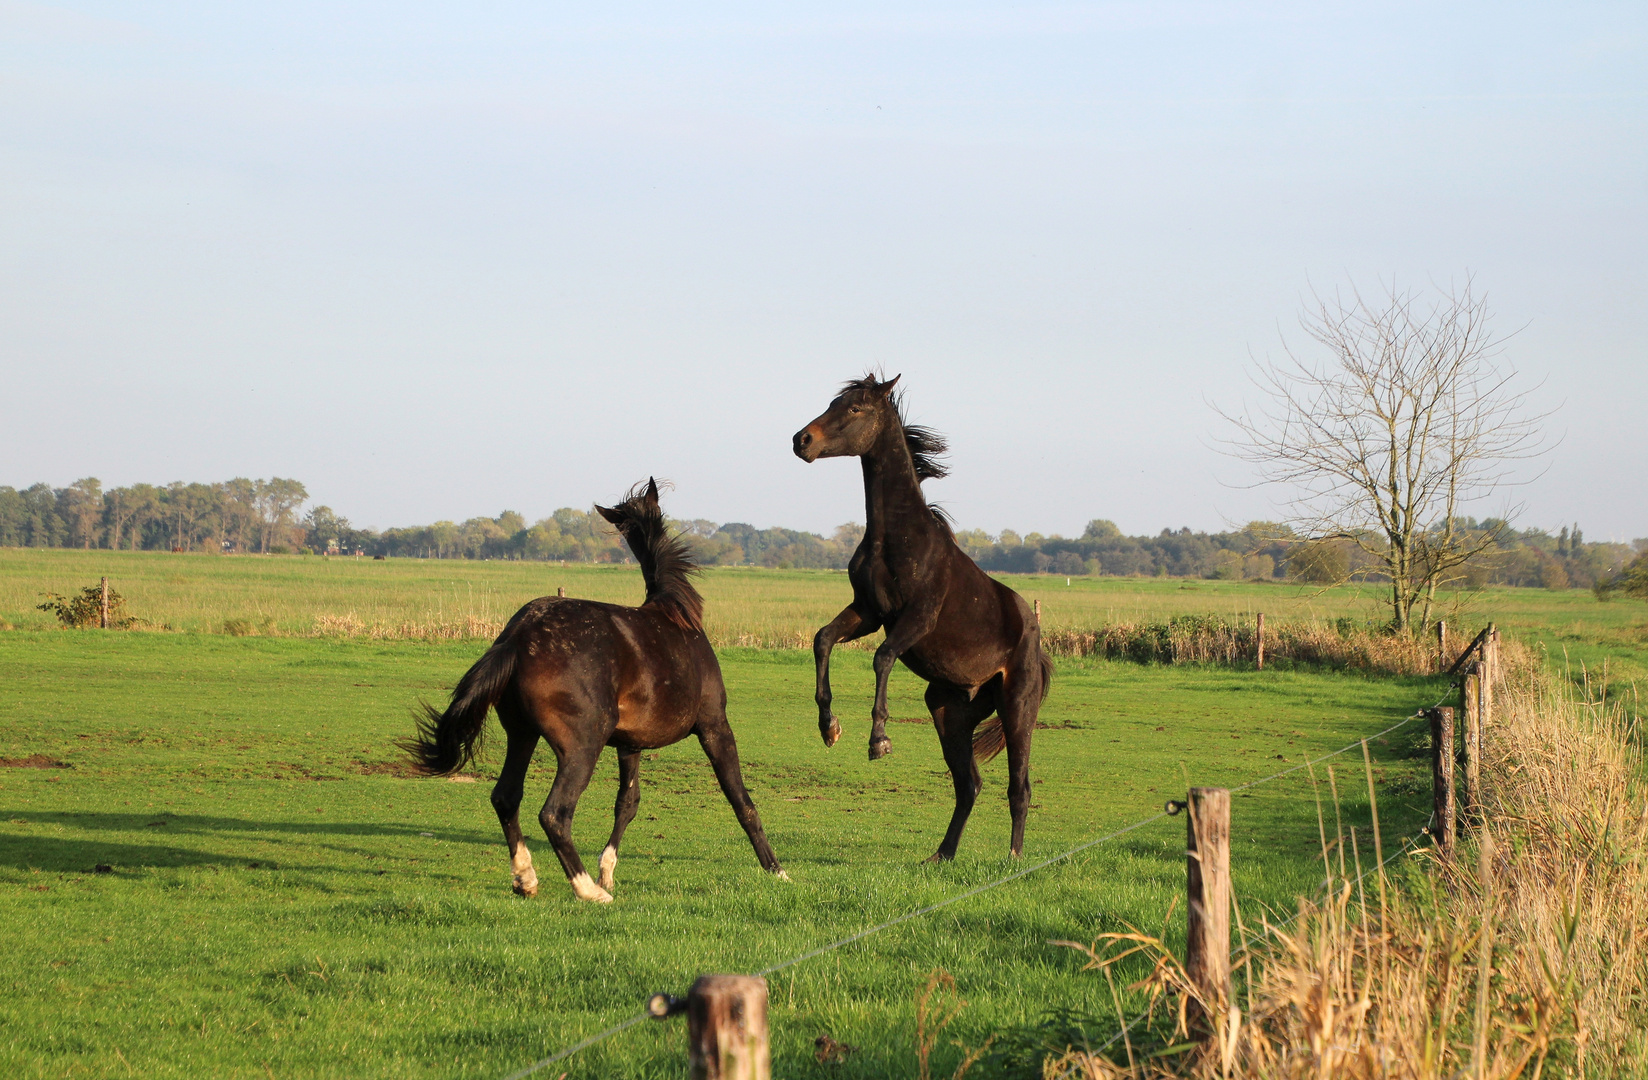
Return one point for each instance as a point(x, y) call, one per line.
point(286, 594)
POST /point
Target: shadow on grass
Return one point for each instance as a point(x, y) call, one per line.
point(21, 850)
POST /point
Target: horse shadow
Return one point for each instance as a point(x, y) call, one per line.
point(108, 841)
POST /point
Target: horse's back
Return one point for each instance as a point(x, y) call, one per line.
point(641, 677)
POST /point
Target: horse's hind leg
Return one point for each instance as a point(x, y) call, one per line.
point(955, 717)
point(506, 799)
point(1020, 703)
point(715, 735)
point(629, 798)
point(573, 768)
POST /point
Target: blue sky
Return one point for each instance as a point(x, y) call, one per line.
point(439, 261)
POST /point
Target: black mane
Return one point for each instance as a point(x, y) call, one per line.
point(666, 562)
point(926, 445)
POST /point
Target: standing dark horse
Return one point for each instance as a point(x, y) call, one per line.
point(585, 675)
point(972, 638)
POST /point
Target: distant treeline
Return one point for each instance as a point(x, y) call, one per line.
point(246, 516)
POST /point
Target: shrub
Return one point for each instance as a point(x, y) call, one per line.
point(85, 609)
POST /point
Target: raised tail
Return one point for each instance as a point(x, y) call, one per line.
point(447, 741)
point(988, 738)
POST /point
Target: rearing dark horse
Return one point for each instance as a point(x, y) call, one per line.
point(972, 638)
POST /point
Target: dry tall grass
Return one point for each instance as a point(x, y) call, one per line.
point(1191, 639)
point(1524, 955)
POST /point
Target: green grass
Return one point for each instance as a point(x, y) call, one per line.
point(275, 910)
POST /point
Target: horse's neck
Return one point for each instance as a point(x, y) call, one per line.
point(892, 491)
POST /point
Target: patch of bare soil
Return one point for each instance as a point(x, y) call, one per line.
point(386, 768)
point(33, 761)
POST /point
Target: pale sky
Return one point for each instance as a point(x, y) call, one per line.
point(438, 261)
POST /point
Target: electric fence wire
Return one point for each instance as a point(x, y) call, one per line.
point(930, 908)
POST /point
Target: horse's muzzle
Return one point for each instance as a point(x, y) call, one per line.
point(805, 445)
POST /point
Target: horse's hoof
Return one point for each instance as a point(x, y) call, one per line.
point(830, 730)
point(880, 748)
point(586, 889)
point(939, 857)
point(781, 875)
point(525, 886)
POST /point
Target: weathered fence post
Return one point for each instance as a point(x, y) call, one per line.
point(1207, 951)
point(1441, 644)
point(1471, 695)
point(560, 590)
point(727, 1029)
point(1038, 611)
point(1442, 776)
point(1259, 643)
point(104, 622)
point(1490, 674)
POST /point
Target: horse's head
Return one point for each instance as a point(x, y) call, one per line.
point(640, 507)
point(858, 416)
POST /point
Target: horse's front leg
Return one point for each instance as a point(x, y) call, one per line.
point(914, 624)
point(847, 626)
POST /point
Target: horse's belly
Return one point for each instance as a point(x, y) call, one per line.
point(969, 675)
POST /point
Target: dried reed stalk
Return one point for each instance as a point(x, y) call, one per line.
point(1531, 962)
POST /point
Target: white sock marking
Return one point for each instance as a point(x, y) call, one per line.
point(585, 889)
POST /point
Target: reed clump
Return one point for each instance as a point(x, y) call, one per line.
point(1524, 954)
point(454, 629)
point(1211, 639)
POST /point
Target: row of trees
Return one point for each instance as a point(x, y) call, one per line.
point(237, 515)
point(244, 516)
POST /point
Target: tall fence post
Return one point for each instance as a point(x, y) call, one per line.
point(104, 621)
point(1471, 695)
point(1490, 674)
point(727, 1029)
point(1259, 643)
point(1441, 644)
point(560, 590)
point(1207, 951)
point(1442, 776)
point(1038, 611)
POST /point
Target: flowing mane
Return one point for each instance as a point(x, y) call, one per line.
point(666, 562)
point(926, 445)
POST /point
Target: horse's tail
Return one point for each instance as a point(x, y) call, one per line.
point(988, 738)
point(447, 741)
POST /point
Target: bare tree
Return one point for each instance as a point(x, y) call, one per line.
point(1405, 420)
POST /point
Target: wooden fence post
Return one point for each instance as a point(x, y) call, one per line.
point(1207, 951)
point(1442, 776)
point(1490, 675)
point(560, 590)
point(1441, 644)
point(1471, 695)
point(1259, 639)
point(1038, 611)
point(104, 623)
point(727, 1029)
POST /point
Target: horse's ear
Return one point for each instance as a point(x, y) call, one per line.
point(610, 514)
point(652, 491)
point(886, 388)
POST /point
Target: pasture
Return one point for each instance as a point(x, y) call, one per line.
point(282, 901)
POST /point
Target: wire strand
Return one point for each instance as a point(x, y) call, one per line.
point(1078, 849)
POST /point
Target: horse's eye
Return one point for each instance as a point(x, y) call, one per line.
point(852, 408)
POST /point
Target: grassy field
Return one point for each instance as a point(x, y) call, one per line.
point(281, 904)
point(286, 594)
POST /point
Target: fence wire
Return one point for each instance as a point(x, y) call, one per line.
point(1017, 874)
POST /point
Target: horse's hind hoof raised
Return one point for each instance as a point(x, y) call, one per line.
point(880, 748)
point(830, 730)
